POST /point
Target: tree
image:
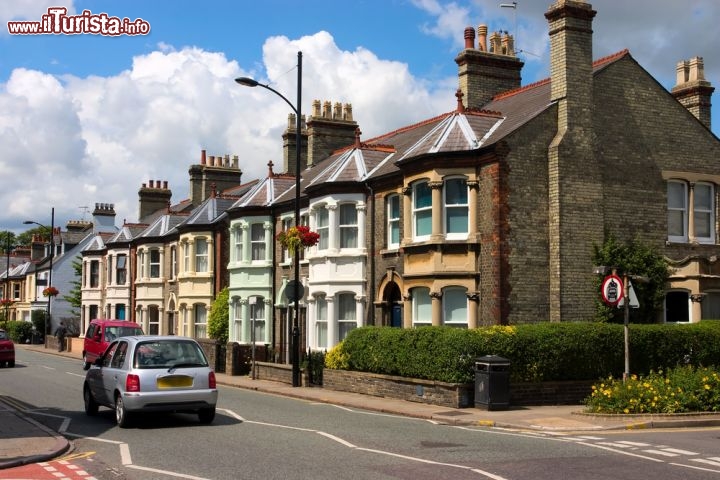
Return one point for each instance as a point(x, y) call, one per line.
point(633, 258)
point(218, 323)
point(74, 296)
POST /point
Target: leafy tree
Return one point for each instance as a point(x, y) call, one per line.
point(25, 238)
point(74, 296)
point(218, 323)
point(638, 259)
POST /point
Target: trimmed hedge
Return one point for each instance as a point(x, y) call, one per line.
point(537, 352)
point(19, 331)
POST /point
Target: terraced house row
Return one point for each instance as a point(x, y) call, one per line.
point(483, 215)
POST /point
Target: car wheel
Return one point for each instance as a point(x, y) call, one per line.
point(86, 364)
point(91, 406)
point(121, 415)
point(207, 415)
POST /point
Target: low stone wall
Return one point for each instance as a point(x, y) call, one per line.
point(453, 395)
point(550, 393)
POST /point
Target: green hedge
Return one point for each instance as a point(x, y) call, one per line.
point(19, 331)
point(537, 352)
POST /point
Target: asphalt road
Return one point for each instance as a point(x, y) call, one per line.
point(257, 435)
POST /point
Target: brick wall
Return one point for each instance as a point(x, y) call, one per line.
point(452, 395)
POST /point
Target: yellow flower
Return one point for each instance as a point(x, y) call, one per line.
point(626, 411)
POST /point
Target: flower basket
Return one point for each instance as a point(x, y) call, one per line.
point(50, 292)
point(6, 302)
point(297, 238)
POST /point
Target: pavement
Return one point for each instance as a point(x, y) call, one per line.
point(24, 440)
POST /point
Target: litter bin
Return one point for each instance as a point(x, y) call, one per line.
point(492, 382)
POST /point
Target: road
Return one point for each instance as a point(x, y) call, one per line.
point(257, 435)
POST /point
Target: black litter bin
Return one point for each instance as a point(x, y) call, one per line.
point(492, 382)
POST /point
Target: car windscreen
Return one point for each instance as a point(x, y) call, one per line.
point(3, 335)
point(169, 354)
point(112, 332)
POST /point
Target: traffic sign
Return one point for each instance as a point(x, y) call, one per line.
point(294, 291)
point(612, 290)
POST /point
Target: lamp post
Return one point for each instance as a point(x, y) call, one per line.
point(52, 254)
point(7, 278)
point(249, 82)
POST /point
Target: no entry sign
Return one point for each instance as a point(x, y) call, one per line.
point(612, 290)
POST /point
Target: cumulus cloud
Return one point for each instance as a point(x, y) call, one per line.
point(29, 10)
point(69, 141)
point(80, 141)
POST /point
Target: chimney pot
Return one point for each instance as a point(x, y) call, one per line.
point(165, 184)
point(482, 37)
point(152, 183)
point(202, 157)
point(316, 108)
point(469, 37)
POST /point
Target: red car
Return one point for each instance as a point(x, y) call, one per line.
point(7, 350)
point(101, 332)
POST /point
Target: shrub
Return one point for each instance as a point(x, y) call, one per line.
point(681, 389)
point(218, 323)
point(19, 331)
point(537, 352)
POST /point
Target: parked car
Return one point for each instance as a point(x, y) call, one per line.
point(151, 374)
point(101, 332)
point(7, 350)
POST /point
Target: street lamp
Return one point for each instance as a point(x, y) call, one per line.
point(249, 82)
point(7, 278)
point(52, 254)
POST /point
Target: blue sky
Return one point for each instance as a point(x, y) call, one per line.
point(87, 119)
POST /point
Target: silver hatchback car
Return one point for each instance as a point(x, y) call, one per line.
point(151, 374)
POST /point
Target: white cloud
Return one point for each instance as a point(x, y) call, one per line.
point(31, 10)
point(81, 141)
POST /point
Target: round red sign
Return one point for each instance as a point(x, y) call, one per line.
point(612, 290)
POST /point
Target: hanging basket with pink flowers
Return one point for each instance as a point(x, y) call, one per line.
point(297, 238)
point(50, 292)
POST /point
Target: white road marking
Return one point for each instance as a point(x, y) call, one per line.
point(707, 461)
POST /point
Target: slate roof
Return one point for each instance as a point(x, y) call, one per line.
point(209, 211)
point(267, 191)
point(162, 226)
point(127, 233)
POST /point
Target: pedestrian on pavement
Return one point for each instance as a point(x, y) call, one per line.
point(60, 333)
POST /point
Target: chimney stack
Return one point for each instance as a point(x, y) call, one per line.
point(484, 73)
point(574, 172)
point(692, 90)
point(152, 198)
point(213, 169)
point(329, 129)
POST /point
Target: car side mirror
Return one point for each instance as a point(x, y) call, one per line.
point(97, 337)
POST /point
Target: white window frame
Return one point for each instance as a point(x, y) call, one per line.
point(348, 227)
point(202, 255)
point(321, 322)
point(155, 266)
point(453, 207)
point(679, 208)
point(322, 226)
point(421, 306)
point(455, 307)
point(200, 317)
point(393, 221)
point(121, 270)
point(258, 246)
point(706, 211)
point(346, 314)
point(418, 211)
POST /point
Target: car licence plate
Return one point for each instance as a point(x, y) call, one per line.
point(174, 381)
